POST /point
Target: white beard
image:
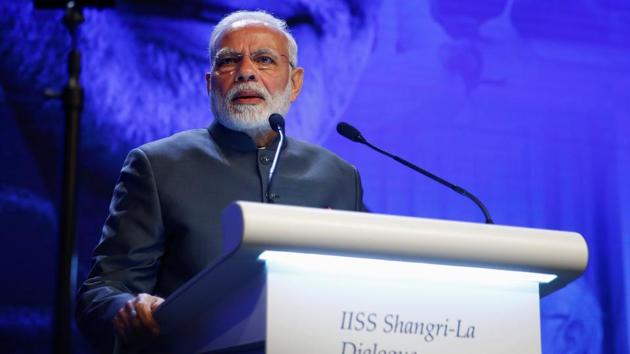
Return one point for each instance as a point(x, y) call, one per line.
point(248, 118)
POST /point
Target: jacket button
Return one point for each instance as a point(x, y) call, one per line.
point(264, 159)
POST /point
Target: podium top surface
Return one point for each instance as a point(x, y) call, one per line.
point(252, 228)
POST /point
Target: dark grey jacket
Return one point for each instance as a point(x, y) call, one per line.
point(164, 227)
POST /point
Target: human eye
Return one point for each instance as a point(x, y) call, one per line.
point(265, 60)
point(227, 61)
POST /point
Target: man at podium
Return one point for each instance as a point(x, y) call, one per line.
point(163, 225)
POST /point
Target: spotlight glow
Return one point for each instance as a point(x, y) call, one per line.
point(366, 267)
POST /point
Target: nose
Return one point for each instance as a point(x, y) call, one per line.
point(246, 70)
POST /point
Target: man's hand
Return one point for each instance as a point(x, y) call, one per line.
point(134, 322)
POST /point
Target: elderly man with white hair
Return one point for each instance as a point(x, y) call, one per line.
point(163, 225)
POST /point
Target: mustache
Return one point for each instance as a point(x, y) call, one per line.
point(249, 87)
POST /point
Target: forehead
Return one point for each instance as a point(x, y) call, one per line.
point(252, 36)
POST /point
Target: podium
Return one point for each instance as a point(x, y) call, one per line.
point(305, 280)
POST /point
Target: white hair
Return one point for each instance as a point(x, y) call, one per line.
point(250, 119)
point(254, 17)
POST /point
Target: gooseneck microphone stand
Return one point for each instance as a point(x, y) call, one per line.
point(72, 97)
point(353, 134)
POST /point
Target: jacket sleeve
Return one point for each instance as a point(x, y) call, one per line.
point(359, 204)
point(126, 260)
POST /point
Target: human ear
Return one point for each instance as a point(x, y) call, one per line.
point(297, 78)
point(208, 82)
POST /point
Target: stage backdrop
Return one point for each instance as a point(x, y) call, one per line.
point(524, 102)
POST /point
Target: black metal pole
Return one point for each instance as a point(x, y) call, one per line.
point(72, 97)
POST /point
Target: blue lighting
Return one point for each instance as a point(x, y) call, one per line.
point(509, 99)
point(377, 268)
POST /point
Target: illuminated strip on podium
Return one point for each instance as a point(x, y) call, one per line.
point(367, 267)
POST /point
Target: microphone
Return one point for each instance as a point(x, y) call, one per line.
point(276, 121)
point(352, 133)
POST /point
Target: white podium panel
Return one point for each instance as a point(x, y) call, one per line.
point(313, 311)
point(304, 280)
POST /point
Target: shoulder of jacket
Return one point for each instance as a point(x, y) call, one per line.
point(317, 153)
point(179, 141)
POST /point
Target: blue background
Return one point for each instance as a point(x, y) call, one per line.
point(526, 103)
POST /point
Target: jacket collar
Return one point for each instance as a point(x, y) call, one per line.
point(239, 141)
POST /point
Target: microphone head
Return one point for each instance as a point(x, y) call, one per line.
point(276, 122)
point(350, 132)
